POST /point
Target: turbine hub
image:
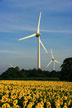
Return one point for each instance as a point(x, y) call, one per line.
point(38, 34)
point(53, 59)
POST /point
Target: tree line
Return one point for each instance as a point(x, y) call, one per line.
point(17, 74)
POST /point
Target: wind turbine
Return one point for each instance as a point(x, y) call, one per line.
point(37, 34)
point(52, 60)
point(12, 66)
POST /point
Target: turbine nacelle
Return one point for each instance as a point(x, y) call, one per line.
point(53, 59)
point(38, 34)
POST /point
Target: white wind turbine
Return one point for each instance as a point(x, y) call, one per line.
point(12, 66)
point(52, 60)
point(37, 34)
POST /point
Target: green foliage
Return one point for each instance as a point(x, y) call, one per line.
point(56, 74)
point(13, 73)
point(66, 69)
point(17, 74)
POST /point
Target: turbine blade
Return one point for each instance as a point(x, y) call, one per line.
point(49, 63)
point(43, 46)
point(33, 35)
point(56, 61)
point(52, 54)
point(11, 65)
point(38, 31)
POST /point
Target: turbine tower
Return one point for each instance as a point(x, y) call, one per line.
point(37, 34)
point(53, 60)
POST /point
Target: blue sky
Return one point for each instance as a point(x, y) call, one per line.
point(19, 18)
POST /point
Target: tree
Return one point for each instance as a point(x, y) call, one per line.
point(11, 73)
point(53, 73)
point(66, 69)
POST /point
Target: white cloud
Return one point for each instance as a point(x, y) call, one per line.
point(17, 28)
point(57, 31)
point(19, 54)
point(8, 51)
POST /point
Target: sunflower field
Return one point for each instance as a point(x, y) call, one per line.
point(35, 94)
